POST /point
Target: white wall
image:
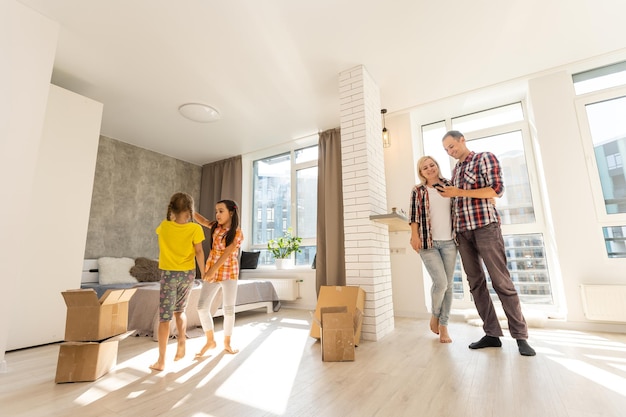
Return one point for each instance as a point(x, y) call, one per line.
point(577, 231)
point(409, 298)
point(47, 162)
point(27, 54)
point(58, 227)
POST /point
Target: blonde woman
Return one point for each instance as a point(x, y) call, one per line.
point(430, 216)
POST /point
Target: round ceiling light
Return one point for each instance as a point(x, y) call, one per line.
point(199, 112)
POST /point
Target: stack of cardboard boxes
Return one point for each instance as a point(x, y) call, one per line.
point(337, 321)
point(93, 329)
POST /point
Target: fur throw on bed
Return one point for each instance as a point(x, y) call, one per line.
point(145, 270)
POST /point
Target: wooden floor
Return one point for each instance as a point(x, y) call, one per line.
point(279, 372)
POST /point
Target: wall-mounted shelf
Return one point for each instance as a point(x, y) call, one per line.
point(396, 221)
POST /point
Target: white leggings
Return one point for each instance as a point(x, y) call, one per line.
point(207, 297)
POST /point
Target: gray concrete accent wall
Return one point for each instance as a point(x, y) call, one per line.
point(132, 188)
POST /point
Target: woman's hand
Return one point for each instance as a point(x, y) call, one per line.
point(416, 242)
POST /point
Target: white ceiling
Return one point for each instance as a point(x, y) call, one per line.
point(271, 66)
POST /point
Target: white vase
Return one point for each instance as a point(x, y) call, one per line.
point(284, 263)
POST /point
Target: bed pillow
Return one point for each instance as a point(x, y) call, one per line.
point(249, 260)
point(115, 271)
point(146, 270)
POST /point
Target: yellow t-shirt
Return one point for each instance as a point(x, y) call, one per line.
point(176, 245)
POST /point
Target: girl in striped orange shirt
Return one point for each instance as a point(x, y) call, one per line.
point(222, 271)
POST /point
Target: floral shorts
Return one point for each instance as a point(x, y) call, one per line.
point(174, 293)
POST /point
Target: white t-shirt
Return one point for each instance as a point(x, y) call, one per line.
point(440, 215)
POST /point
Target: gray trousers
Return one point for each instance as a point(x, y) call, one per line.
point(486, 243)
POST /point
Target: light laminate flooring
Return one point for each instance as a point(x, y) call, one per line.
point(279, 372)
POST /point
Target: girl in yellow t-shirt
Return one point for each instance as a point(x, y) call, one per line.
point(180, 240)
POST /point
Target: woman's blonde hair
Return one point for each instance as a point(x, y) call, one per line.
point(419, 171)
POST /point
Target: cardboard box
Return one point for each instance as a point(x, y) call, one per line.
point(337, 328)
point(330, 296)
point(87, 361)
point(90, 319)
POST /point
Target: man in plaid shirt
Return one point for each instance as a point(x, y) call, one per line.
point(476, 181)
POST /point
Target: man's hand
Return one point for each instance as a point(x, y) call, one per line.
point(452, 191)
point(449, 191)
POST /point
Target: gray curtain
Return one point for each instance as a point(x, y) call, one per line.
point(221, 180)
point(330, 260)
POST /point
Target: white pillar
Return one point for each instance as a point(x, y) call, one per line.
point(368, 262)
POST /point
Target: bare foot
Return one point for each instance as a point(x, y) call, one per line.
point(229, 349)
point(157, 366)
point(207, 346)
point(444, 337)
point(434, 324)
point(180, 351)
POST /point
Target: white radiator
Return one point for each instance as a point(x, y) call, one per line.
point(604, 302)
point(286, 288)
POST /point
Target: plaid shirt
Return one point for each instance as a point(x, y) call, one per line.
point(419, 212)
point(230, 268)
point(478, 170)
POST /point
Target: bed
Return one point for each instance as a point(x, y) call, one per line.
point(144, 305)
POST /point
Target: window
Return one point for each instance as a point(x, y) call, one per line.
point(615, 240)
point(503, 131)
point(516, 205)
point(601, 116)
point(607, 126)
point(285, 196)
point(600, 78)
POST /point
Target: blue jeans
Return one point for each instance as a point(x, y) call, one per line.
point(439, 262)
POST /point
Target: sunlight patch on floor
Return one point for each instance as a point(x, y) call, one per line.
point(142, 361)
point(242, 338)
point(567, 338)
point(599, 376)
point(558, 343)
point(615, 347)
point(119, 378)
point(90, 396)
point(618, 367)
point(542, 350)
point(608, 358)
point(613, 362)
point(297, 322)
point(270, 389)
point(128, 372)
point(181, 401)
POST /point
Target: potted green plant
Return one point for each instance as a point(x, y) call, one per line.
point(283, 247)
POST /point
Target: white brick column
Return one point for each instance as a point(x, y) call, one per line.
point(368, 263)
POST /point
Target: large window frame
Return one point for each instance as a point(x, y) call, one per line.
point(248, 216)
point(609, 222)
point(538, 226)
point(605, 219)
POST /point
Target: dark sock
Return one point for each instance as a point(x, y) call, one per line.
point(485, 342)
point(524, 348)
